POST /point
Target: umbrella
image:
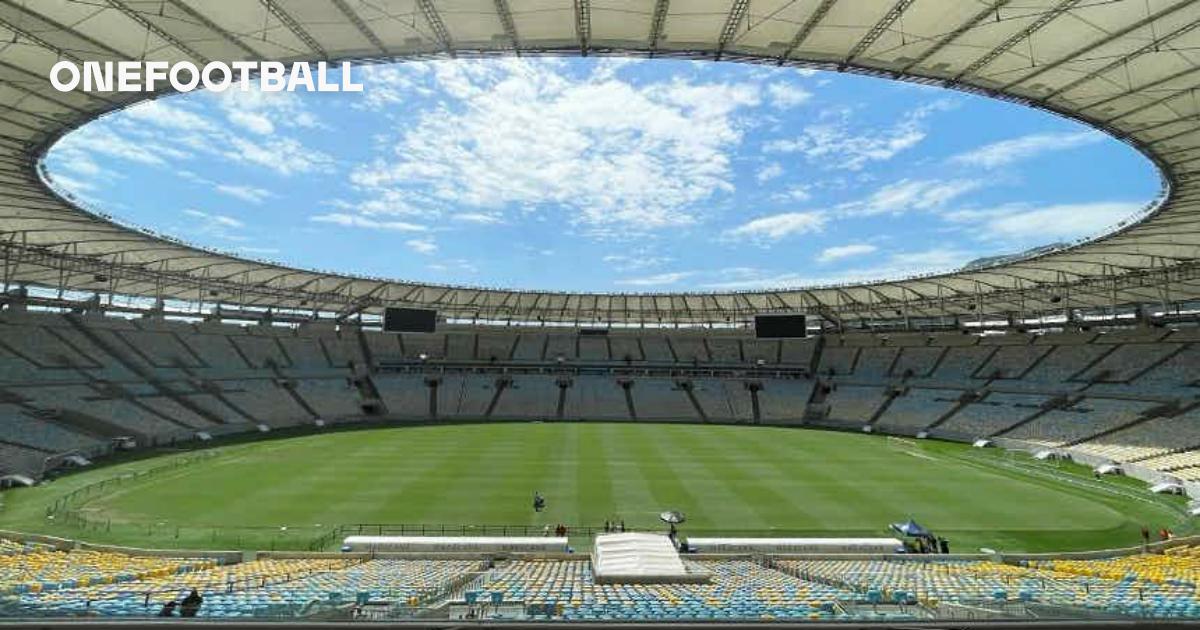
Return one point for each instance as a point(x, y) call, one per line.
point(911, 528)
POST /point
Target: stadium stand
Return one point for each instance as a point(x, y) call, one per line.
point(738, 590)
point(73, 383)
point(917, 410)
point(1078, 422)
point(1157, 586)
point(784, 401)
point(528, 396)
point(995, 413)
point(38, 578)
point(916, 361)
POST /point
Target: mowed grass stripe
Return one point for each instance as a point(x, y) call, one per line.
point(828, 482)
point(656, 462)
point(757, 499)
point(593, 482)
point(725, 478)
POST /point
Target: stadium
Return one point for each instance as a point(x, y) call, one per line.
point(1014, 440)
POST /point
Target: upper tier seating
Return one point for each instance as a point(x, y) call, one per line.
point(1082, 420)
point(1156, 436)
point(918, 409)
point(991, 415)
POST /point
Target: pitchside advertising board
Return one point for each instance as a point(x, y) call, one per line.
point(416, 320)
point(780, 326)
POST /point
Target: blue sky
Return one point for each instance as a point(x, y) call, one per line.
point(606, 175)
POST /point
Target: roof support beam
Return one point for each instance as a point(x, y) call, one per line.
point(1049, 16)
point(806, 29)
point(729, 31)
point(1151, 47)
point(1107, 39)
point(657, 21)
point(434, 19)
point(1145, 88)
point(39, 41)
point(39, 79)
point(360, 25)
point(186, 9)
point(583, 25)
point(292, 25)
point(878, 30)
point(510, 27)
point(45, 96)
point(953, 36)
point(158, 32)
point(98, 45)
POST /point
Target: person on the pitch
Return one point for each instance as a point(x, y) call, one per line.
point(539, 502)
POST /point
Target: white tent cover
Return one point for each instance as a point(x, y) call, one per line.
point(794, 545)
point(634, 557)
point(455, 543)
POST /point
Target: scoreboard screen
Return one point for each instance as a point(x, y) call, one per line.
point(780, 326)
point(417, 320)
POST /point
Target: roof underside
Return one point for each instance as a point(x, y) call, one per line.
point(1130, 67)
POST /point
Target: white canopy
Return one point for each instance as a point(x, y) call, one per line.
point(454, 543)
point(794, 545)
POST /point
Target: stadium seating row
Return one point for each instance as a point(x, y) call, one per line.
point(41, 581)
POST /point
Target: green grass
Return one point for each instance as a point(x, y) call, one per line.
point(728, 480)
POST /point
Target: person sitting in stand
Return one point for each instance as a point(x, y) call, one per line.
point(168, 609)
point(191, 604)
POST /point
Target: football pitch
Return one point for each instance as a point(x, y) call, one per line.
point(303, 492)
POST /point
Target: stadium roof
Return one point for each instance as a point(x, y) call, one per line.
point(1129, 67)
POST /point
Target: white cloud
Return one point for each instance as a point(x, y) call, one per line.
point(285, 156)
point(393, 84)
point(258, 251)
point(660, 279)
point(1024, 225)
point(93, 139)
point(78, 187)
point(830, 254)
point(218, 226)
point(164, 115)
point(615, 157)
point(252, 121)
point(778, 226)
point(1024, 147)
point(908, 195)
point(895, 266)
point(643, 259)
point(482, 218)
point(263, 112)
point(424, 246)
point(353, 220)
point(769, 172)
point(245, 193)
point(746, 278)
point(835, 145)
point(793, 194)
point(786, 95)
point(453, 265)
